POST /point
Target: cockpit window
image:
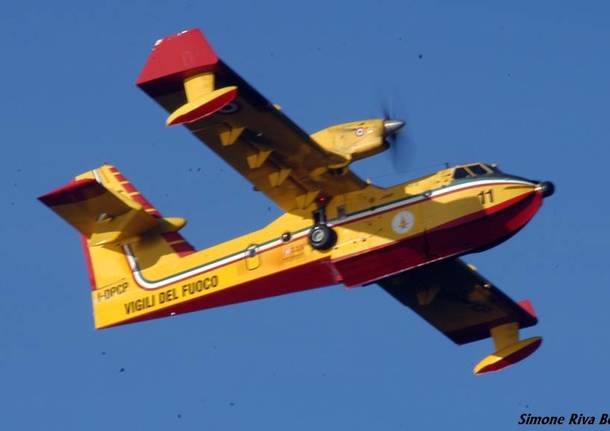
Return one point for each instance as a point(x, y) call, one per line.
point(473, 171)
point(493, 168)
point(460, 173)
point(478, 170)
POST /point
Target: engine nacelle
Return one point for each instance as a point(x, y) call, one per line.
point(353, 141)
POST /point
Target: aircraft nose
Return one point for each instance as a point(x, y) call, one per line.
point(548, 188)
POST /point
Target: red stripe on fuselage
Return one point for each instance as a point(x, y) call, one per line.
point(309, 276)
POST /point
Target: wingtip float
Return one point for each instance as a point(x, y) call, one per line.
point(336, 228)
point(509, 349)
point(508, 356)
point(187, 58)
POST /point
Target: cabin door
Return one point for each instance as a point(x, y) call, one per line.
point(253, 259)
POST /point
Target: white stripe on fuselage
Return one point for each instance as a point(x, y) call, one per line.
point(146, 284)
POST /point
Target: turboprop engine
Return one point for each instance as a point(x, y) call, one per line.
point(358, 139)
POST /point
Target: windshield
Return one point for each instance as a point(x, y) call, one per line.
point(478, 169)
point(474, 170)
point(460, 173)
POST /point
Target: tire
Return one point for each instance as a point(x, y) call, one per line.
point(321, 237)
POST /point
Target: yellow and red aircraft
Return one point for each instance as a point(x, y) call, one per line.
point(336, 227)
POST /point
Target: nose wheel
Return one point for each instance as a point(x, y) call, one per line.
point(321, 237)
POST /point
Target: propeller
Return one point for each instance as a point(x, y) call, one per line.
point(400, 143)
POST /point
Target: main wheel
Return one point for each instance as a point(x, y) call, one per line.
point(321, 237)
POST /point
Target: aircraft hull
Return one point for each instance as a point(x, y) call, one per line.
point(460, 235)
point(463, 235)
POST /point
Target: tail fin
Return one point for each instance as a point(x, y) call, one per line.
point(110, 213)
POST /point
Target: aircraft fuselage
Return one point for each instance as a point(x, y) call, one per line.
point(380, 232)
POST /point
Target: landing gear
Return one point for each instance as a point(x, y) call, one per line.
point(321, 237)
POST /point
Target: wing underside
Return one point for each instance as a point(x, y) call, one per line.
point(249, 133)
point(454, 298)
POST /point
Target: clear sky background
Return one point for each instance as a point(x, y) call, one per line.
point(523, 84)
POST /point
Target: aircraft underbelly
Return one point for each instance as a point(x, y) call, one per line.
point(382, 261)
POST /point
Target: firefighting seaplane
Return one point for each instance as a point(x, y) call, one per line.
point(336, 228)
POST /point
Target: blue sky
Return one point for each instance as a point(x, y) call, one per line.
point(522, 84)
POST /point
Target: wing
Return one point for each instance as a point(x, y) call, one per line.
point(245, 129)
point(455, 299)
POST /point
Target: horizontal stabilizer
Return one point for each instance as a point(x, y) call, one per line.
point(102, 215)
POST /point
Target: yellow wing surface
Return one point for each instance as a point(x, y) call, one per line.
point(184, 75)
point(458, 301)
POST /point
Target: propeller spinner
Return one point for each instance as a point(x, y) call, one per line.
point(391, 127)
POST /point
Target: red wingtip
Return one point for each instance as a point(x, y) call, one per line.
point(527, 306)
point(177, 57)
